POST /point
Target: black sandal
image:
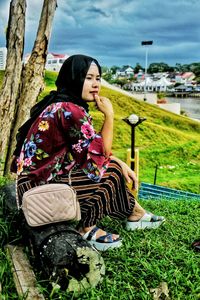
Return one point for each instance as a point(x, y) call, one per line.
point(103, 242)
point(196, 245)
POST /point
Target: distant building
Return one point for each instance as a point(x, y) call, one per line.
point(188, 76)
point(129, 72)
point(125, 72)
point(3, 55)
point(139, 76)
point(160, 85)
point(55, 61)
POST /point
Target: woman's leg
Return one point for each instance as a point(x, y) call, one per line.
point(137, 213)
point(110, 197)
point(141, 219)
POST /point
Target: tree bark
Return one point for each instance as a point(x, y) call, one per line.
point(32, 77)
point(9, 90)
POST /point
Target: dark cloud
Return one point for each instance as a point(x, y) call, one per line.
point(95, 10)
point(113, 30)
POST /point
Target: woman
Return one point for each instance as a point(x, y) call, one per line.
point(60, 136)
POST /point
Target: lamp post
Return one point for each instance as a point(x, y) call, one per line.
point(133, 120)
point(146, 44)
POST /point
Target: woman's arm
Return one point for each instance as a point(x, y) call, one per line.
point(127, 172)
point(105, 106)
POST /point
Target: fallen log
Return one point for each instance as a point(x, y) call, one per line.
point(23, 275)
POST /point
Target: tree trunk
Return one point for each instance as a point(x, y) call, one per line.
point(32, 77)
point(9, 90)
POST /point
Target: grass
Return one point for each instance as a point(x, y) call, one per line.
point(164, 139)
point(1, 77)
point(147, 258)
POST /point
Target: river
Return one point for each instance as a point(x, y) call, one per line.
point(191, 106)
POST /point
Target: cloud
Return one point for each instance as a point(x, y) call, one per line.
point(97, 11)
point(4, 12)
point(112, 30)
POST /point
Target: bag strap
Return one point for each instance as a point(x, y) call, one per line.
point(16, 194)
point(69, 176)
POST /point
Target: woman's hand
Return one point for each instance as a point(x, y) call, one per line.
point(130, 175)
point(127, 172)
point(104, 105)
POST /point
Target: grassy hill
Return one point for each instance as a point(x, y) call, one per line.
point(165, 139)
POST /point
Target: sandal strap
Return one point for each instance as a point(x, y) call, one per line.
point(107, 238)
point(149, 217)
point(92, 233)
point(155, 218)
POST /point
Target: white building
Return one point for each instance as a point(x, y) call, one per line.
point(3, 55)
point(125, 72)
point(160, 85)
point(55, 61)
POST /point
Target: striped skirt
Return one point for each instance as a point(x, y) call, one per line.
point(109, 197)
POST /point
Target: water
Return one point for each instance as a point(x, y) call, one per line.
point(191, 106)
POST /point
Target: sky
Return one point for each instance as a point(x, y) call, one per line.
point(112, 30)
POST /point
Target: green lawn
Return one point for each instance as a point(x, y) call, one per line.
point(146, 258)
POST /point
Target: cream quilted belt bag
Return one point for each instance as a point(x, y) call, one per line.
point(50, 203)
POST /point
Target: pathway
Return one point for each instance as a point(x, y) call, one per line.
point(151, 97)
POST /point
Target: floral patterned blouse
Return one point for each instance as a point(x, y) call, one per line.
point(63, 135)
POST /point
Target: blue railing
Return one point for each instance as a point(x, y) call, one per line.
point(151, 191)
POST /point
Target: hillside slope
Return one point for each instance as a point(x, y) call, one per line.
point(165, 139)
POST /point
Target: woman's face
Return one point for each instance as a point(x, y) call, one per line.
point(92, 84)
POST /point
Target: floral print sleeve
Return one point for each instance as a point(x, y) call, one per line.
point(63, 135)
point(87, 145)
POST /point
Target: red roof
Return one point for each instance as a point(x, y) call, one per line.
point(56, 55)
point(187, 74)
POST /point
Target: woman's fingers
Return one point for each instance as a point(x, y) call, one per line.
point(135, 180)
point(103, 104)
point(127, 178)
point(135, 184)
point(96, 97)
point(131, 176)
point(128, 174)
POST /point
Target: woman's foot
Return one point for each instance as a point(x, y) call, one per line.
point(148, 220)
point(138, 213)
point(99, 232)
point(100, 239)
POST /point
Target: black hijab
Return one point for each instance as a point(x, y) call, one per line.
point(69, 84)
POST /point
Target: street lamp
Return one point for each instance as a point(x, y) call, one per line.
point(146, 44)
point(133, 120)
